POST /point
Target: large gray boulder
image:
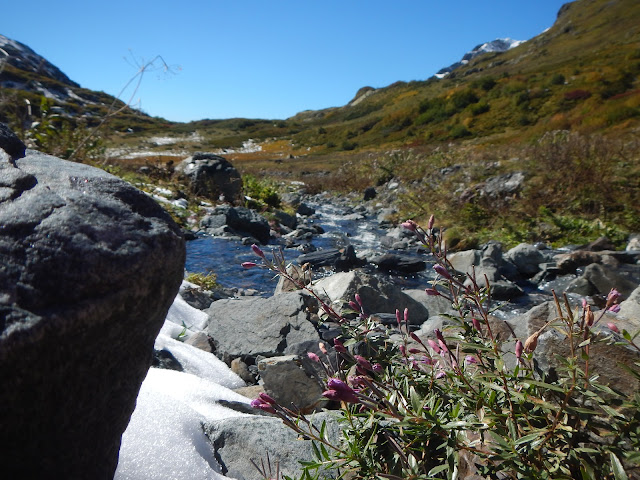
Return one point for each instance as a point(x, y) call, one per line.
point(553, 346)
point(239, 441)
point(250, 326)
point(90, 266)
point(527, 259)
point(240, 220)
point(212, 176)
point(378, 295)
point(599, 279)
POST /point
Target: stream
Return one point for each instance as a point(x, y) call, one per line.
point(341, 227)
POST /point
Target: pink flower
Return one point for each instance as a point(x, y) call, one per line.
point(256, 249)
point(433, 345)
point(432, 292)
point(614, 308)
point(358, 299)
point(322, 348)
point(264, 402)
point(249, 264)
point(313, 356)
point(613, 327)
point(431, 221)
point(340, 391)
point(410, 225)
point(377, 368)
point(440, 374)
point(470, 359)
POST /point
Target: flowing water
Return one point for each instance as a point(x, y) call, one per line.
point(224, 256)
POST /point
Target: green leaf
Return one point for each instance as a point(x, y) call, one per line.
point(437, 470)
point(527, 438)
point(549, 386)
point(616, 467)
point(585, 343)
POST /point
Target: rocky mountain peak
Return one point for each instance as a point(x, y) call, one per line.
point(498, 45)
point(24, 58)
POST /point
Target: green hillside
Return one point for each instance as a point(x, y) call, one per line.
point(562, 109)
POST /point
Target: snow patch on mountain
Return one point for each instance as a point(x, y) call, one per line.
point(498, 45)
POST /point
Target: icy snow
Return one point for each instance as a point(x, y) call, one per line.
point(164, 438)
point(200, 363)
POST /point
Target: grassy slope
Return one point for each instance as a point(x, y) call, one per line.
point(484, 119)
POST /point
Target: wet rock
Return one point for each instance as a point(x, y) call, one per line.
point(391, 262)
point(236, 220)
point(305, 210)
point(339, 259)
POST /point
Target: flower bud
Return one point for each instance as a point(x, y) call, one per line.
point(312, 356)
point(614, 308)
point(339, 346)
point(440, 270)
point(531, 343)
point(322, 348)
point(431, 222)
point(613, 296)
point(433, 345)
point(266, 398)
point(588, 316)
point(476, 324)
point(613, 327)
point(410, 225)
point(519, 348)
point(470, 359)
point(363, 362)
point(432, 292)
point(256, 249)
point(249, 264)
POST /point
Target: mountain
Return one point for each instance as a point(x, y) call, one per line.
point(581, 74)
point(23, 58)
point(31, 85)
point(499, 45)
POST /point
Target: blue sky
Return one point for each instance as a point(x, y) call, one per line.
point(261, 59)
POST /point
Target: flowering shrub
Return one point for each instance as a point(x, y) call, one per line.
point(467, 403)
